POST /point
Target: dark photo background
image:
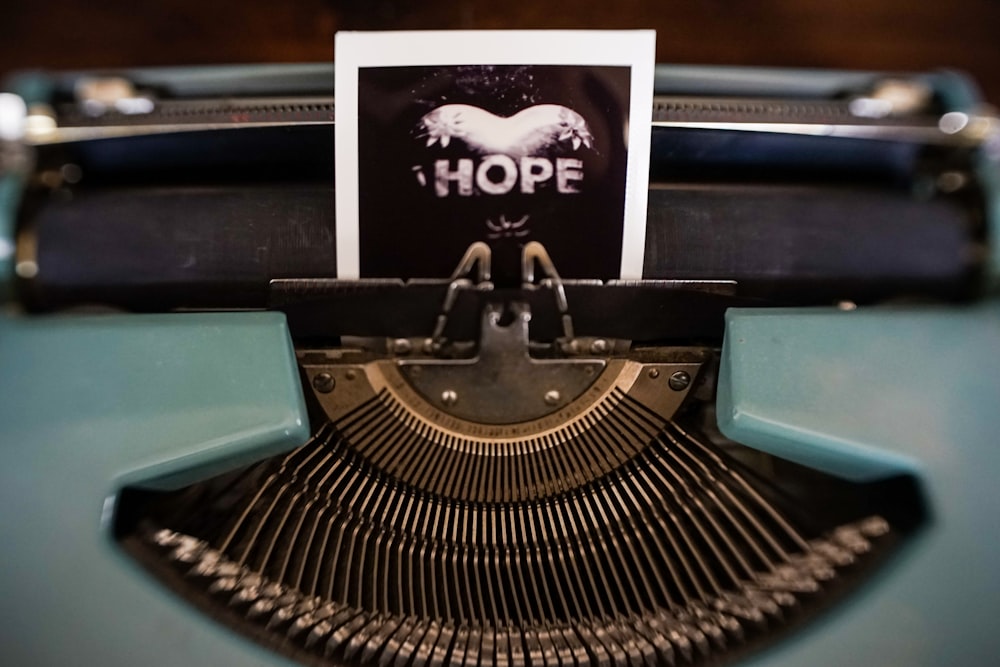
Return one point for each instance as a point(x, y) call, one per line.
point(400, 214)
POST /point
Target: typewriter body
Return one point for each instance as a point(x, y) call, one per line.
point(777, 448)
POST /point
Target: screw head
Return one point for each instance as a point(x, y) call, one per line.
point(324, 383)
point(449, 397)
point(599, 346)
point(552, 397)
point(401, 346)
point(679, 381)
point(654, 373)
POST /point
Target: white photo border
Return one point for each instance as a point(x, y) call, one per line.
point(635, 49)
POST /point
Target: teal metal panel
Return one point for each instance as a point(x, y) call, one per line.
point(758, 81)
point(868, 393)
point(220, 80)
point(10, 197)
point(90, 404)
point(32, 88)
point(862, 394)
point(989, 174)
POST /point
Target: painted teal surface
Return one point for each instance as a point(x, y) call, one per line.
point(778, 394)
point(989, 173)
point(957, 90)
point(32, 87)
point(88, 405)
point(757, 81)
point(868, 391)
point(224, 80)
point(10, 196)
point(960, 93)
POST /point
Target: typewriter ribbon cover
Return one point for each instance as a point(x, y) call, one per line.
point(447, 139)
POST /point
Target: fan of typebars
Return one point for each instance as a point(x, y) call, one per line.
point(501, 507)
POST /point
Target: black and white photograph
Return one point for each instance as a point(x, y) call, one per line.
point(502, 152)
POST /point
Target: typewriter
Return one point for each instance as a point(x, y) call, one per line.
point(775, 448)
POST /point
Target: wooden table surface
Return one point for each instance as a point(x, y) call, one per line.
point(872, 34)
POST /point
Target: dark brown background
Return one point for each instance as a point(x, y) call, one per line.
point(869, 34)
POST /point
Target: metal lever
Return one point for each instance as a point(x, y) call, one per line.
point(478, 256)
point(534, 252)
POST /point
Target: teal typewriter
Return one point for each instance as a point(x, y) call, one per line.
point(778, 447)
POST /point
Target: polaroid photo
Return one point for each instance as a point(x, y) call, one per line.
point(448, 138)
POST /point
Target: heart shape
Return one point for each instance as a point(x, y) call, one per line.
point(529, 131)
